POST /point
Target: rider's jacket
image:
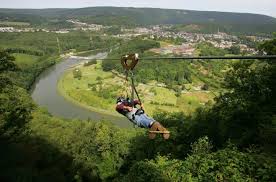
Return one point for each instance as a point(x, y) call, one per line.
point(129, 114)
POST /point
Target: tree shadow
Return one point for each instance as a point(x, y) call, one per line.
point(34, 159)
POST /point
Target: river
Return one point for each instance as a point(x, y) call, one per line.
point(44, 92)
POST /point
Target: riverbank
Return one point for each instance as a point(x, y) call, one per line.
point(62, 91)
point(24, 60)
point(45, 93)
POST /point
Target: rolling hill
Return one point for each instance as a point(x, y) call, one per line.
point(231, 22)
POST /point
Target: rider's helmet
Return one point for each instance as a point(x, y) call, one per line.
point(120, 99)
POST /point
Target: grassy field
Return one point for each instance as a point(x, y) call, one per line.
point(164, 44)
point(9, 23)
point(25, 60)
point(98, 90)
point(87, 53)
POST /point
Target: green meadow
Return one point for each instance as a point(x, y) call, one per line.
point(98, 90)
point(9, 23)
point(25, 60)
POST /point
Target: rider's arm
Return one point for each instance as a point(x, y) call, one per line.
point(135, 102)
point(123, 107)
point(139, 103)
point(128, 108)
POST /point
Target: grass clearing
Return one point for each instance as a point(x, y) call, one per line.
point(164, 44)
point(87, 53)
point(193, 100)
point(25, 60)
point(11, 23)
point(165, 96)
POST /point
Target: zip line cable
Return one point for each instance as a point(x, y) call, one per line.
point(263, 57)
point(214, 57)
point(133, 88)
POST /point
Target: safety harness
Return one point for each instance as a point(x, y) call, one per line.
point(128, 69)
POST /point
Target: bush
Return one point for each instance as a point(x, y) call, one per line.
point(89, 63)
point(205, 87)
point(204, 165)
point(77, 73)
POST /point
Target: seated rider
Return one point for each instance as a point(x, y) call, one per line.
point(128, 108)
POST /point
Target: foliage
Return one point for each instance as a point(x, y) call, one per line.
point(176, 41)
point(173, 73)
point(228, 164)
point(15, 109)
point(89, 63)
point(136, 45)
point(113, 30)
point(247, 41)
point(45, 47)
point(77, 73)
point(207, 49)
point(98, 149)
point(269, 47)
point(45, 43)
point(6, 62)
point(234, 140)
point(24, 51)
point(205, 87)
point(15, 103)
point(236, 50)
point(244, 113)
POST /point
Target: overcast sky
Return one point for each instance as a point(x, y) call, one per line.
point(267, 7)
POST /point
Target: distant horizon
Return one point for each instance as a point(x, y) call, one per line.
point(265, 7)
point(147, 8)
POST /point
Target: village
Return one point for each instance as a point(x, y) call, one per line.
point(157, 32)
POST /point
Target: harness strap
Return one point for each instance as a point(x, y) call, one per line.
point(133, 88)
point(129, 72)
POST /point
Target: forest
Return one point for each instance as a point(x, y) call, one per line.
point(232, 140)
point(39, 50)
point(208, 21)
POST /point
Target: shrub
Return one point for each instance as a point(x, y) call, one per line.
point(77, 73)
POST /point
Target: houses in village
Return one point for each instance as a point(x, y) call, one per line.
point(157, 32)
point(184, 49)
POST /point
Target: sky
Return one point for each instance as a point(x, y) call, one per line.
point(267, 7)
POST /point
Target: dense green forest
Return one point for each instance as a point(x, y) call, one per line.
point(36, 51)
point(207, 21)
point(233, 140)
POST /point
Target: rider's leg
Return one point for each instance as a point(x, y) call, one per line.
point(144, 121)
point(158, 127)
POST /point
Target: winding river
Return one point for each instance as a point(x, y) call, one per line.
point(45, 94)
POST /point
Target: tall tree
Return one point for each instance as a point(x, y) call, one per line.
point(15, 103)
point(6, 62)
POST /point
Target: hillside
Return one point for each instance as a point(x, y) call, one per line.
point(232, 140)
point(232, 22)
point(221, 114)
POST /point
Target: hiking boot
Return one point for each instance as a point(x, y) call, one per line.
point(156, 126)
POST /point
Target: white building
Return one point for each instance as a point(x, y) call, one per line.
point(7, 29)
